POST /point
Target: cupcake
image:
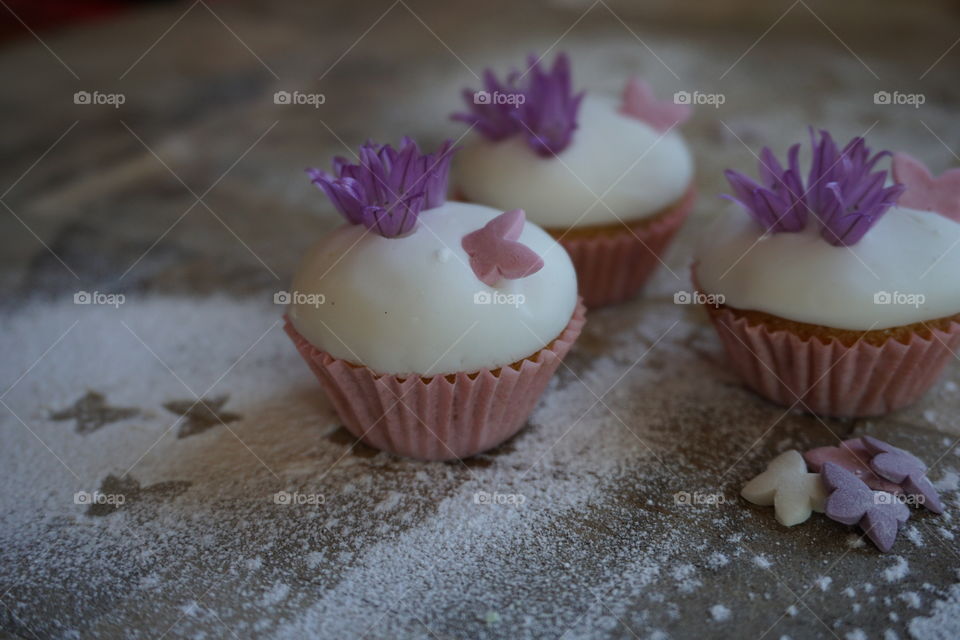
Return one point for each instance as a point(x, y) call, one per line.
point(610, 180)
point(432, 326)
point(838, 293)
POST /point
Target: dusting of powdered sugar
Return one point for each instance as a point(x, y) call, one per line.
point(719, 613)
point(604, 510)
point(943, 623)
point(389, 533)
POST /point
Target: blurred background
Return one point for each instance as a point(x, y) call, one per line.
point(99, 183)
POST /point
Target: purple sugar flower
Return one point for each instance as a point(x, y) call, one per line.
point(842, 191)
point(550, 109)
point(494, 117)
point(776, 203)
point(539, 105)
point(847, 198)
point(388, 188)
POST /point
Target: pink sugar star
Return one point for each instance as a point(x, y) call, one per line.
point(495, 253)
point(925, 192)
point(853, 456)
point(639, 103)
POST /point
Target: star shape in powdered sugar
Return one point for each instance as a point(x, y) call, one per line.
point(495, 253)
point(199, 415)
point(92, 412)
point(924, 191)
point(640, 103)
point(116, 493)
point(786, 484)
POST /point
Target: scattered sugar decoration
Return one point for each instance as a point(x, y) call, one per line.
point(852, 502)
point(864, 481)
point(639, 103)
point(924, 191)
point(719, 613)
point(495, 253)
point(899, 570)
point(949, 481)
point(786, 484)
point(905, 469)
point(853, 456)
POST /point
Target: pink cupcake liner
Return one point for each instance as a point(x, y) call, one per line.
point(612, 268)
point(440, 418)
point(829, 378)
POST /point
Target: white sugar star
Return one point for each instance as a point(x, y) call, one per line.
point(787, 485)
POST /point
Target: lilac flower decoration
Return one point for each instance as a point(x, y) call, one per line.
point(850, 501)
point(495, 252)
point(539, 105)
point(776, 202)
point(905, 469)
point(842, 191)
point(550, 108)
point(389, 188)
point(495, 117)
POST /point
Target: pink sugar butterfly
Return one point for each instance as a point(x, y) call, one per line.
point(639, 103)
point(924, 191)
point(495, 253)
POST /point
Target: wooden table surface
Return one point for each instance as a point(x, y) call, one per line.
point(189, 199)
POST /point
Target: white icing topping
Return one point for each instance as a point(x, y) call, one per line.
point(904, 270)
point(656, 170)
point(407, 305)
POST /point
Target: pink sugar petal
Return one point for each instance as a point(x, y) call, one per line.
point(495, 253)
point(924, 191)
point(640, 103)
